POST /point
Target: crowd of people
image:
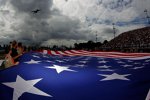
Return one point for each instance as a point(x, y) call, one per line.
point(13, 52)
point(134, 41)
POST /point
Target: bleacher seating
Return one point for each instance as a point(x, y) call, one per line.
point(134, 41)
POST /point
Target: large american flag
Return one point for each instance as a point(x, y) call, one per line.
point(77, 75)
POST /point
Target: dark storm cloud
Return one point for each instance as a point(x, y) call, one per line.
point(4, 11)
point(46, 24)
point(2, 24)
point(27, 6)
point(110, 31)
point(2, 2)
point(56, 22)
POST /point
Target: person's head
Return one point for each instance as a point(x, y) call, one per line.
point(10, 45)
point(19, 44)
point(14, 44)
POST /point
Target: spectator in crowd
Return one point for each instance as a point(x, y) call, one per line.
point(20, 49)
point(14, 52)
point(9, 61)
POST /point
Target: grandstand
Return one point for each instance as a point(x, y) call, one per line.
point(132, 41)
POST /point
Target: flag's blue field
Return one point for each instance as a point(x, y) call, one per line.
point(45, 77)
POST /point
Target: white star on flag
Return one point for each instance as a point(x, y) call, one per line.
point(32, 62)
point(145, 63)
point(147, 60)
point(21, 86)
point(35, 56)
point(49, 61)
point(103, 61)
point(84, 62)
point(126, 65)
point(148, 96)
point(100, 58)
point(80, 65)
point(136, 63)
point(117, 59)
point(104, 66)
point(120, 62)
point(66, 59)
point(87, 58)
point(59, 61)
point(45, 56)
point(130, 61)
point(109, 70)
point(138, 67)
point(59, 69)
point(114, 76)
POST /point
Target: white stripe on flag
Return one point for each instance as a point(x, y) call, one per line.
point(61, 53)
point(54, 53)
point(68, 52)
point(132, 56)
point(75, 51)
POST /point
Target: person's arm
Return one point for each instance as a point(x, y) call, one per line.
point(13, 62)
point(17, 56)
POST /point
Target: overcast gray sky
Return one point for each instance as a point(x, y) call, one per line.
point(68, 21)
